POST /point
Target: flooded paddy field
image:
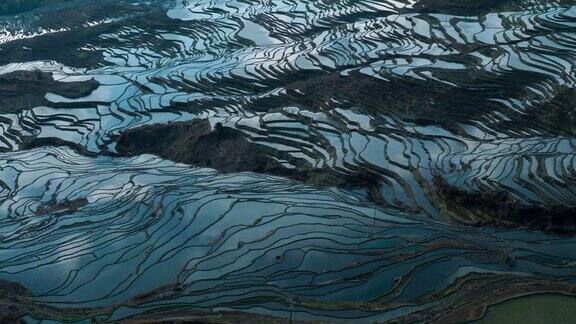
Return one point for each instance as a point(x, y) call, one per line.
point(295, 160)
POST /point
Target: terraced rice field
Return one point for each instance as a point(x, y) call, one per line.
point(285, 160)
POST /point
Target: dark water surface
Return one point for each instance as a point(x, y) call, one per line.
point(479, 93)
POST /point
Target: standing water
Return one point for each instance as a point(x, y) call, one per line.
point(286, 160)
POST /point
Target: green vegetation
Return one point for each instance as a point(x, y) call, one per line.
point(542, 308)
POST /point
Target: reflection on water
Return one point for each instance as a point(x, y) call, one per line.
point(476, 93)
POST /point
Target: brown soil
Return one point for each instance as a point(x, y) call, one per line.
point(466, 7)
point(500, 209)
point(229, 150)
point(423, 103)
point(63, 206)
point(16, 302)
point(185, 316)
point(23, 90)
point(560, 112)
